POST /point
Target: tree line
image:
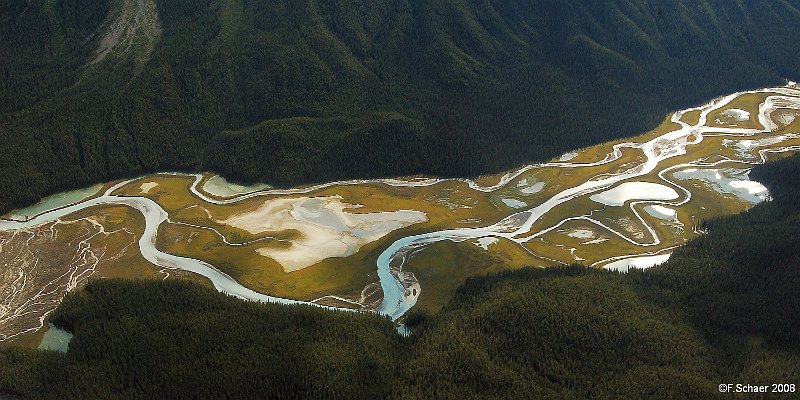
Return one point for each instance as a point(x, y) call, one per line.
point(292, 92)
point(723, 309)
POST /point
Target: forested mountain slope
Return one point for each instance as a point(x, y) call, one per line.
point(292, 91)
point(710, 315)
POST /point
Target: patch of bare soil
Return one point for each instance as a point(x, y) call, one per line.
point(38, 266)
point(134, 25)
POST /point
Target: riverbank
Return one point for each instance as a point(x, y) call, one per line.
point(589, 209)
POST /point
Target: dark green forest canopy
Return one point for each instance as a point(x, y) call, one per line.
point(292, 91)
point(723, 309)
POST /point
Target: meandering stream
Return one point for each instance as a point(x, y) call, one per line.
point(400, 290)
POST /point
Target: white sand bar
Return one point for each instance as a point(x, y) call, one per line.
point(617, 196)
point(581, 233)
point(568, 156)
point(661, 212)
point(147, 186)
point(729, 180)
point(737, 114)
point(326, 229)
point(533, 189)
point(751, 187)
point(219, 186)
point(514, 203)
point(485, 242)
point(637, 262)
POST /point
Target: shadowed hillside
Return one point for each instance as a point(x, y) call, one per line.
point(723, 309)
point(314, 90)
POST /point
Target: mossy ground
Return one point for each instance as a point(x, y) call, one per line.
point(196, 228)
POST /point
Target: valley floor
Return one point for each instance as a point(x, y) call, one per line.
point(388, 245)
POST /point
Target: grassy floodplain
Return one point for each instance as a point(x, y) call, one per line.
point(582, 229)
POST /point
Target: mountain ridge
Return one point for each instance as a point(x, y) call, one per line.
point(479, 85)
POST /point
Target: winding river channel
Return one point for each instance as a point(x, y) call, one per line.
point(400, 290)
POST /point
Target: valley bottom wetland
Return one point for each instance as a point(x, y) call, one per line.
point(722, 309)
point(385, 245)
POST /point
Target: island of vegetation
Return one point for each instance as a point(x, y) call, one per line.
point(289, 92)
point(250, 199)
point(388, 245)
point(722, 309)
